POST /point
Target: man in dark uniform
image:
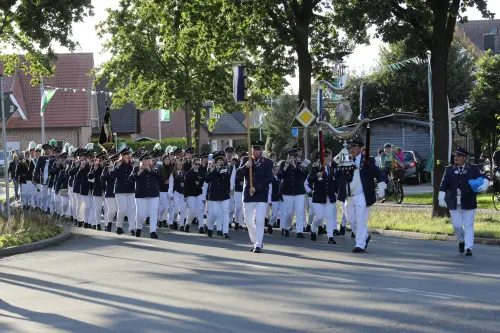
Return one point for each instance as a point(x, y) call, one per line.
point(220, 181)
point(61, 186)
point(188, 159)
point(94, 177)
point(256, 197)
point(293, 175)
point(57, 167)
point(82, 176)
point(108, 182)
point(459, 196)
point(41, 176)
point(23, 176)
point(193, 193)
point(238, 191)
point(229, 152)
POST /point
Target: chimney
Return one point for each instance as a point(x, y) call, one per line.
point(489, 42)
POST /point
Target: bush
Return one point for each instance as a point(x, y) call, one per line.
point(26, 227)
point(178, 142)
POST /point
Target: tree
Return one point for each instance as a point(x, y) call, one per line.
point(422, 25)
point(484, 102)
point(386, 91)
point(30, 27)
point(277, 124)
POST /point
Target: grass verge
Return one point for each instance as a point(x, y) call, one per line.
point(26, 227)
point(483, 200)
point(485, 226)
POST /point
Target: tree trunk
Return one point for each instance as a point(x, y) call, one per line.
point(188, 113)
point(197, 129)
point(439, 60)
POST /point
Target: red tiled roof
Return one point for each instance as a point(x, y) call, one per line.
point(475, 29)
point(66, 109)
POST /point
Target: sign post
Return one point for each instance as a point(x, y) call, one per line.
point(4, 139)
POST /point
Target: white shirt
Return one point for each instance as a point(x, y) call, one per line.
point(356, 185)
point(46, 171)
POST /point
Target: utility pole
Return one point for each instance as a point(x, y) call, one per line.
point(4, 139)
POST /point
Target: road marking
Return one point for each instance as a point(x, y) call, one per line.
point(139, 243)
point(424, 293)
point(244, 264)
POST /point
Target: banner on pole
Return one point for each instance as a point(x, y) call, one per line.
point(46, 97)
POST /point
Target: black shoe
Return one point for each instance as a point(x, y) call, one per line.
point(300, 235)
point(353, 235)
point(278, 223)
point(165, 224)
point(154, 235)
point(195, 221)
point(108, 228)
point(99, 227)
point(282, 232)
point(204, 216)
point(342, 230)
point(461, 247)
point(181, 228)
point(85, 225)
point(125, 219)
point(159, 224)
point(219, 232)
point(313, 236)
point(76, 223)
point(257, 250)
point(147, 221)
point(138, 233)
point(468, 253)
point(308, 228)
point(236, 226)
point(119, 231)
point(132, 233)
point(367, 241)
point(94, 227)
point(209, 233)
point(226, 236)
point(230, 226)
point(336, 232)
point(331, 241)
point(175, 225)
point(358, 250)
point(287, 233)
point(320, 230)
point(205, 228)
point(202, 231)
point(270, 229)
point(186, 229)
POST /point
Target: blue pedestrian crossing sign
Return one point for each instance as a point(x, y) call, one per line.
point(295, 132)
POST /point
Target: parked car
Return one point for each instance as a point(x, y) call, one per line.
point(414, 167)
point(3, 161)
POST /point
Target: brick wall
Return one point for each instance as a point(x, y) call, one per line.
point(76, 136)
point(175, 128)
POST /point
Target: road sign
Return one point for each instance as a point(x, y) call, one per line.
point(10, 107)
point(295, 132)
point(305, 116)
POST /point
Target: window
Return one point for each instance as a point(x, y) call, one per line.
point(164, 115)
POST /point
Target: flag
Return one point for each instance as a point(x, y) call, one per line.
point(46, 97)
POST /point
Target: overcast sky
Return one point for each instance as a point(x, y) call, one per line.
point(363, 57)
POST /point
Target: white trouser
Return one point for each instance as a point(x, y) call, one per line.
point(277, 213)
point(218, 210)
point(69, 209)
point(179, 206)
point(87, 206)
point(112, 208)
point(166, 205)
point(44, 197)
point(294, 203)
point(268, 212)
point(310, 218)
point(98, 200)
point(344, 219)
point(50, 204)
point(147, 207)
point(463, 223)
point(238, 207)
point(126, 207)
point(357, 213)
point(255, 213)
point(57, 203)
point(326, 211)
point(64, 199)
point(38, 196)
point(80, 208)
point(231, 208)
point(27, 195)
point(196, 208)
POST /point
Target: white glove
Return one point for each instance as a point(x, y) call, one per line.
point(382, 186)
point(442, 202)
point(484, 187)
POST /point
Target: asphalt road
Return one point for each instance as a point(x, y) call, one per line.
point(102, 282)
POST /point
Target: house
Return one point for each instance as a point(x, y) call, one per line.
point(484, 34)
point(67, 116)
point(125, 121)
point(228, 128)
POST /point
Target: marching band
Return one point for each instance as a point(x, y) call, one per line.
point(175, 188)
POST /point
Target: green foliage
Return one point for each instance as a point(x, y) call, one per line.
point(26, 227)
point(30, 27)
point(481, 117)
point(387, 91)
point(277, 124)
point(178, 142)
point(254, 135)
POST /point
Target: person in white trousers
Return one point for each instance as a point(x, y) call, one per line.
point(256, 196)
point(109, 193)
point(193, 193)
point(94, 177)
point(124, 192)
point(229, 152)
point(61, 188)
point(166, 205)
point(147, 194)
point(363, 194)
point(458, 190)
point(220, 179)
point(176, 195)
point(276, 201)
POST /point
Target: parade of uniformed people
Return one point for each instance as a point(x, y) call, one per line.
point(250, 166)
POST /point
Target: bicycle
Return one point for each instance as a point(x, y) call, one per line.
point(395, 186)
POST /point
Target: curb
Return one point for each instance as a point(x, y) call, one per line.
point(13, 250)
point(441, 237)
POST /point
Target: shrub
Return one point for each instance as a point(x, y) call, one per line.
point(178, 142)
